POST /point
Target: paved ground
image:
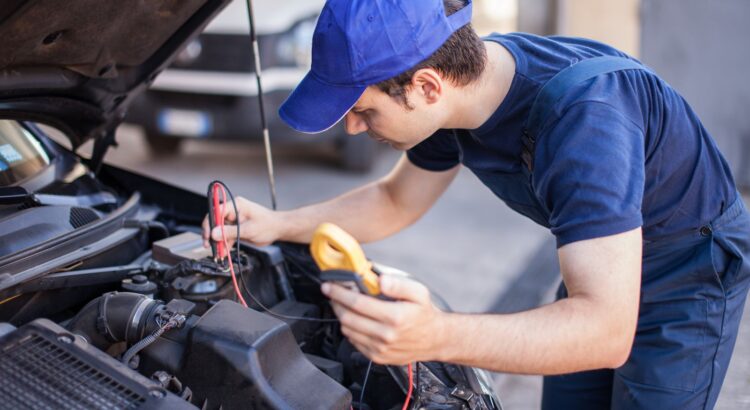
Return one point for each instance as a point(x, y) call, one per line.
point(471, 248)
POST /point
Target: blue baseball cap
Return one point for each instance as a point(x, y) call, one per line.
point(358, 43)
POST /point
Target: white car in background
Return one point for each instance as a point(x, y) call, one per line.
point(210, 90)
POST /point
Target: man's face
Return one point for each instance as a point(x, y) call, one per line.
point(388, 120)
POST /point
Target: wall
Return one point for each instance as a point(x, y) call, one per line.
point(615, 22)
point(495, 16)
point(702, 49)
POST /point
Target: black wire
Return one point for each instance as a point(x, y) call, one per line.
point(416, 392)
point(364, 383)
point(145, 342)
point(239, 266)
point(281, 316)
point(303, 270)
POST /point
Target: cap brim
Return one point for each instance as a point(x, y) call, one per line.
point(315, 106)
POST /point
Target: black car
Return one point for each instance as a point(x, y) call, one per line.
point(107, 297)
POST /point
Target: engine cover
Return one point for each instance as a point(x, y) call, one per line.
point(240, 358)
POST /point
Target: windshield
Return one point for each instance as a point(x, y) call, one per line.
point(21, 155)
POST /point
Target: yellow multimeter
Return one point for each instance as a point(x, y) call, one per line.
point(341, 259)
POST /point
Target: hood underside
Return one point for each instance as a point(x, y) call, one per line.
point(77, 64)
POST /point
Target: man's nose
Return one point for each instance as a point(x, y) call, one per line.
point(355, 124)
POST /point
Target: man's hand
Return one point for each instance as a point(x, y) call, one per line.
point(258, 225)
point(389, 332)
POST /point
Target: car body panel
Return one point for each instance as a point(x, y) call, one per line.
point(80, 70)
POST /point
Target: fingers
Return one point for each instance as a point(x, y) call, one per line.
point(404, 289)
point(358, 323)
point(230, 231)
point(206, 232)
point(375, 340)
point(228, 234)
point(254, 220)
point(363, 344)
point(369, 337)
point(388, 332)
point(362, 304)
point(229, 216)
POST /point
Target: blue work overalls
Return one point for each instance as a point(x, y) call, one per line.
point(694, 286)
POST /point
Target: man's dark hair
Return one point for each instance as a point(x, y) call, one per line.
point(461, 59)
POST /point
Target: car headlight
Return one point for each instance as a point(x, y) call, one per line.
point(295, 46)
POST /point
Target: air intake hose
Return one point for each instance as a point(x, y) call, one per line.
point(116, 317)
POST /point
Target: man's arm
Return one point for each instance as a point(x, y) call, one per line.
point(593, 328)
point(369, 213)
point(376, 210)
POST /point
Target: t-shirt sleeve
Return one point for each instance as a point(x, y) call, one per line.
point(589, 172)
point(439, 152)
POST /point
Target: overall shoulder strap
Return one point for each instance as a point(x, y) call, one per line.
point(555, 89)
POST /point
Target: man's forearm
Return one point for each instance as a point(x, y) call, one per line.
point(368, 213)
point(567, 336)
point(376, 210)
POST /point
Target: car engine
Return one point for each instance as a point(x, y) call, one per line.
point(165, 331)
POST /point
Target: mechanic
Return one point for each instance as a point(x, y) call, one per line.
point(652, 235)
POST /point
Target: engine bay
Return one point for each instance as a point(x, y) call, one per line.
point(170, 319)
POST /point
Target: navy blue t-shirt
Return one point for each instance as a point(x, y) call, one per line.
point(622, 150)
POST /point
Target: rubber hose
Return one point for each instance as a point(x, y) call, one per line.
point(115, 317)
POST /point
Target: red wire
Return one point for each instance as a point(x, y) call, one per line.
point(220, 223)
point(411, 388)
point(219, 216)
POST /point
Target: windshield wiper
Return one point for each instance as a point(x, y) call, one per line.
point(11, 195)
point(19, 195)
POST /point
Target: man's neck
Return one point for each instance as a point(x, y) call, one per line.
point(475, 103)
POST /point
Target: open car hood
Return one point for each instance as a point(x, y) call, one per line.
point(76, 65)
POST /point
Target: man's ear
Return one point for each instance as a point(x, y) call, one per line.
point(428, 83)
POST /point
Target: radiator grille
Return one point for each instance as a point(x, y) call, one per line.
point(37, 374)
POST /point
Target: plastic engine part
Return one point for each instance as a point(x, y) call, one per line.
point(255, 363)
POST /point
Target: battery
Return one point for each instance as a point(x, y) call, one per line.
point(175, 249)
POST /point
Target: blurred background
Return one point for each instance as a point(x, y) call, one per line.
point(200, 122)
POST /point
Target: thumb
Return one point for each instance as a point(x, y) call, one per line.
point(229, 230)
point(404, 289)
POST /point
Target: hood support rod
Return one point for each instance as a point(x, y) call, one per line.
point(266, 137)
